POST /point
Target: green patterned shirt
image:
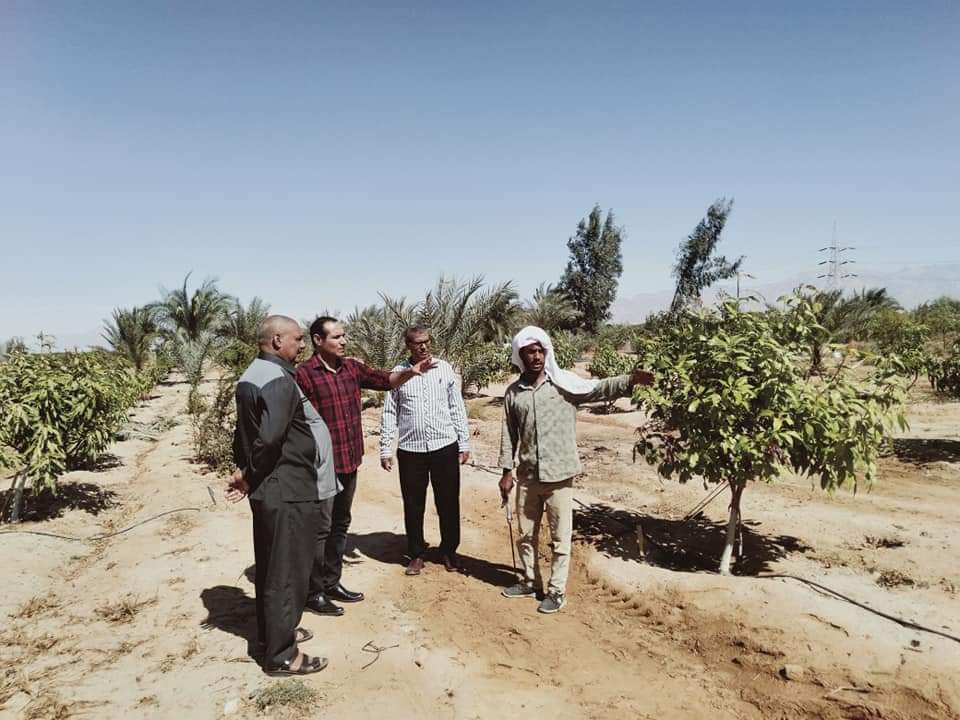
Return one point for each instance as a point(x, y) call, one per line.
point(539, 427)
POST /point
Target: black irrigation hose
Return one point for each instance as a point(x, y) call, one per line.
point(830, 591)
point(94, 538)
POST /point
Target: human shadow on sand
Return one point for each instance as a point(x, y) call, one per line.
point(231, 610)
point(391, 549)
point(692, 546)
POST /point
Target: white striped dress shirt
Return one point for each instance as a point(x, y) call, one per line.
point(428, 410)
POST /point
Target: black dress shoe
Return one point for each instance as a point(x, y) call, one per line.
point(321, 605)
point(339, 592)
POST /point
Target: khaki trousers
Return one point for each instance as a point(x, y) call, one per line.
point(533, 497)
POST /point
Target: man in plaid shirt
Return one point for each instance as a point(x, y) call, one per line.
point(332, 382)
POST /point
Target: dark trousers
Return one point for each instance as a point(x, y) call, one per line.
point(440, 468)
point(282, 548)
point(329, 547)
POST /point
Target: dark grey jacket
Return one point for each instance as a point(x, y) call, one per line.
point(279, 435)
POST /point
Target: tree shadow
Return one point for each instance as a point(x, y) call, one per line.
point(391, 549)
point(231, 610)
point(922, 451)
point(692, 546)
point(47, 505)
point(104, 461)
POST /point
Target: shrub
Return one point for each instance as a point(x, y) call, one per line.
point(62, 410)
point(733, 402)
point(566, 348)
point(481, 364)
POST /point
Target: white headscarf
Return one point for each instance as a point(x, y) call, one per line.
point(563, 379)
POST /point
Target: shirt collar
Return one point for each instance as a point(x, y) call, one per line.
point(526, 386)
point(270, 357)
point(323, 364)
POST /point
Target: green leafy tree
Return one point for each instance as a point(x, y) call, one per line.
point(567, 348)
point(482, 364)
point(551, 309)
point(732, 402)
point(941, 317)
point(895, 334)
point(131, 333)
point(594, 269)
point(944, 373)
point(608, 362)
point(697, 266)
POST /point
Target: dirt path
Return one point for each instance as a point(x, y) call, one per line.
point(156, 622)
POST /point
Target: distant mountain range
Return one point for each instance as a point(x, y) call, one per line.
point(911, 286)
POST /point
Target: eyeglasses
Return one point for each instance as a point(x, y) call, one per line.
point(420, 342)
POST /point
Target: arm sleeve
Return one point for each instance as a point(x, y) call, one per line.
point(508, 437)
point(609, 389)
point(388, 424)
point(279, 400)
point(370, 378)
point(458, 413)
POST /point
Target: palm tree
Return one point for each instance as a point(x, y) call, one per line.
point(461, 313)
point(194, 315)
point(550, 309)
point(376, 333)
point(844, 319)
point(243, 323)
point(131, 333)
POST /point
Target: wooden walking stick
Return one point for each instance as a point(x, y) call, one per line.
point(513, 548)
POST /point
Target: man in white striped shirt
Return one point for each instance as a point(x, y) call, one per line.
point(429, 413)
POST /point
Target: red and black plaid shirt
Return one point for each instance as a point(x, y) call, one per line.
point(336, 396)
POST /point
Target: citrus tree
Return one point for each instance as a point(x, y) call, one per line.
point(733, 402)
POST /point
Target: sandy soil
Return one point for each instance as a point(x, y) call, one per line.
point(156, 622)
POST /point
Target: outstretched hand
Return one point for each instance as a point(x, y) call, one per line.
point(423, 366)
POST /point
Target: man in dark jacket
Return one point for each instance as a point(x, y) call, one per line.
point(283, 450)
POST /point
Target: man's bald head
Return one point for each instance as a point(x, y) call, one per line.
point(281, 335)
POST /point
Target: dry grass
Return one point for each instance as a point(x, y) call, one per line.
point(178, 525)
point(37, 605)
point(291, 693)
point(48, 706)
point(124, 610)
point(16, 637)
point(190, 649)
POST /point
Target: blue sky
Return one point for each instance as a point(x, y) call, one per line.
point(315, 154)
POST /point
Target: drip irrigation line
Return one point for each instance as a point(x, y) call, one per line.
point(93, 538)
point(830, 591)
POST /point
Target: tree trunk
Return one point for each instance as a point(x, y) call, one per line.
point(19, 482)
point(733, 522)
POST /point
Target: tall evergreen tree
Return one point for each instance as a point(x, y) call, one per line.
point(594, 268)
point(697, 268)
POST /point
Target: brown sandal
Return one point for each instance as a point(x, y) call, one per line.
point(309, 664)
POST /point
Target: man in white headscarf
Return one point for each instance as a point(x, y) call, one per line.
point(539, 430)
